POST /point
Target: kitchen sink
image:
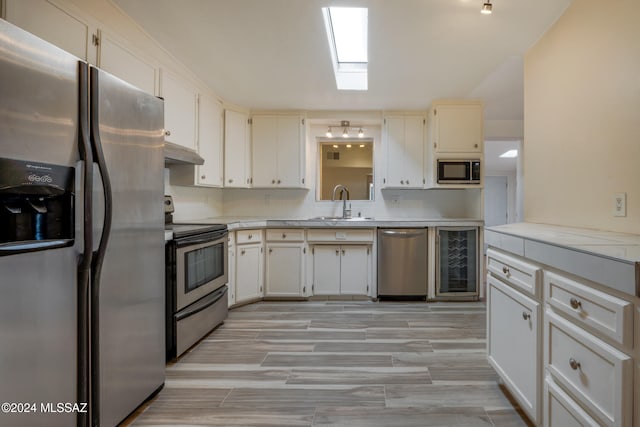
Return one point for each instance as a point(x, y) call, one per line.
point(339, 218)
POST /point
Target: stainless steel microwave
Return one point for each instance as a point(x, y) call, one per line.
point(458, 171)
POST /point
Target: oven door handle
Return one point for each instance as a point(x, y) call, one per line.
point(206, 237)
point(202, 304)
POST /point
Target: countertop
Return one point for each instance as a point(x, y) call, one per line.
point(236, 223)
point(609, 258)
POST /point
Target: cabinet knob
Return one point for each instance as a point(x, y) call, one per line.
point(407, 182)
point(270, 250)
point(242, 252)
point(167, 132)
point(575, 304)
point(203, 177)
point(250, 236)
point(231, 180)
point(402, 182)
point(505, 270)
point(475, 145)
point(575, 365)
point(337, 252)
point(278, 181)
point(273, 181)
point(525, 315)
point(284, 236)
point(343, 252)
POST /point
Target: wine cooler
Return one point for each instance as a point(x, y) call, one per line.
point(457, 262)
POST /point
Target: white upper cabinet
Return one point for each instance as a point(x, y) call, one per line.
point(210, 116)
point(237, 149)
point(116, 58)
point(57, 26)
point(180, 101)
point(403, 145)
point(278, 151)
point(457, 126)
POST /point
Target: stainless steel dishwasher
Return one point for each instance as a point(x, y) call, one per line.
point(402, 263)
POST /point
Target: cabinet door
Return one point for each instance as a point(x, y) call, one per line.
point(237, 157)
point(180, 100)
point(285, 273)
point(458, 128)
point(249, 274)
point(404, 140)
point(514, 343)
point(394, 127)
point(290, 149)
point(414, 151)
point(118, 60)
point(264, 134)
point(54, 25)
point(354, 270)
point(210, 142)
point(326, 270)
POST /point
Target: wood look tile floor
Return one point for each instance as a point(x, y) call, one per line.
point(337, 363)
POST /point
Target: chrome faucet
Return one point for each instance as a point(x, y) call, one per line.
point(344, 191)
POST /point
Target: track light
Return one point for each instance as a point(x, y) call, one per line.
point(486, 8)
point(346, 127)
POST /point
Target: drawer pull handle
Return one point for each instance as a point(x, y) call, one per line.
point(575, 365)
point(525, 315)
point(575, 304)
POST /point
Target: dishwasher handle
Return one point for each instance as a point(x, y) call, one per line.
point(403, 233)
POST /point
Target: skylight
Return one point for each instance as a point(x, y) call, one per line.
point(347, 35)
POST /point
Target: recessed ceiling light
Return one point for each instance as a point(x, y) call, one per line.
point(509, 154)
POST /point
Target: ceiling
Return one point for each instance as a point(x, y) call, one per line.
point(273, 54)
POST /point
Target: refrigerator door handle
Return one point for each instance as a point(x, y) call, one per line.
point(99, 254)
point(84, 264)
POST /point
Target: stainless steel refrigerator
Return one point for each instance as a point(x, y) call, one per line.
point(81, 239)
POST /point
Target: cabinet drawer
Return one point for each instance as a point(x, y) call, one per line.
point(285, 235)
point(248, 236)
point(562, 411)
point(519, 273)
point(608, 315)
point(600, 377)
point(340, 235)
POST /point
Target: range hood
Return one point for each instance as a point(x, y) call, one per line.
point(175, 154)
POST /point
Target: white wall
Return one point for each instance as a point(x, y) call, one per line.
point(582, 118)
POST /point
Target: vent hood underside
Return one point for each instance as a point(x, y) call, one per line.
point(179, 155)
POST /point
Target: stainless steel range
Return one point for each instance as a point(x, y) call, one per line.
point(196, 282)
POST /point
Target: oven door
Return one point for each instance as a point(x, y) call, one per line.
point(201, 266)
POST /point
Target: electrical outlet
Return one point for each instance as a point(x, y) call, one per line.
point(620, 204)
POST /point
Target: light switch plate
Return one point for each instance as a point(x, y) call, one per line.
point(620, 204)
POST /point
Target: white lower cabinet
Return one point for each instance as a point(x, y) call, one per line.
point(249, 265)
point(341, 269)
point(285, 263)
point(598, 375)
point(561, 410)
point(514, 343)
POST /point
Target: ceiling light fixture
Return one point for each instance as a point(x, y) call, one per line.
point(509, 154)
point(487, 8)
point(347, 129)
